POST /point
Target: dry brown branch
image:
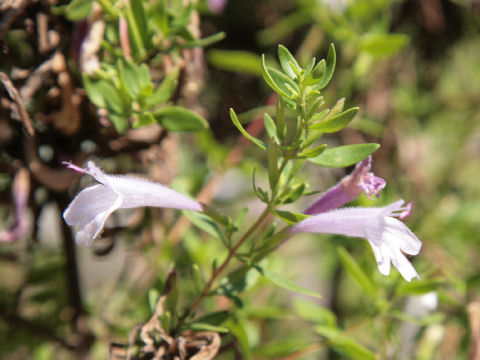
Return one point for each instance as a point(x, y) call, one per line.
point(18, 109)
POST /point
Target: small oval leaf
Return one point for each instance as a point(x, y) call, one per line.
point(343, 156)
point(177, 118)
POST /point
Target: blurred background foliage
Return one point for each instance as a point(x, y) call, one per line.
point(411, 66)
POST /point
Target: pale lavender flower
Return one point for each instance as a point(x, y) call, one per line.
point(349, 188)
point(93, 205)
point(388, 236)
point(216, 6)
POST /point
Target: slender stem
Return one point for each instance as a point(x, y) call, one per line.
point(224, 264)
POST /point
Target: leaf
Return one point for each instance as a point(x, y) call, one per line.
point(214, 318)
point(98, 90)
point(78, 9)
point(315, 313)
point(273, 155)
point(199, 326)
point(288, 62)
point(419, 287)
point(290, 217)
point(144, 119)
point(177, 118)
point(164, 91)
point(330, 68)
point(286, 283)
point(129, 75)
point(205, 223)
point(310, 153)
point(336, 122)
point(356, 272)
point(382, 45)
point(277, 349)
point(206, 41)
point(153, 296)
point(140, 19)
point(269, 80)
point(120, 122)
point(294, 193)
point(244, 132)
point(282, 81)
point(342, 156)
point(269, 125)
point(345, 344)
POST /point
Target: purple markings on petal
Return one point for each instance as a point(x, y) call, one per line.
point(349, 188)
point(388, 236)
point(90, 209)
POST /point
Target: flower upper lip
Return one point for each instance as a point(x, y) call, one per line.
point(388, 236)
point(93, 205)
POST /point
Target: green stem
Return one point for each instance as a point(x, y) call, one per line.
point(224, 264)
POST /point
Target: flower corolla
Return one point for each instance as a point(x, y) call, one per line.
point(388, 236)
point(90, 209)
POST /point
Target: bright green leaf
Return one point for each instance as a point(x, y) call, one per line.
point(286, 283)
point(419, 287)
point(330, 68)
point(342, 156)
point(382, 45)
point(337, 122)
point(244, 132)
point(177, 118)
point(290, 217)
point(288, 62)
point(78, 9)
point(356, 272)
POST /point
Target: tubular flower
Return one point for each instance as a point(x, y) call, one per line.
point(388, 236)
point(349, 188)
point(92, 206)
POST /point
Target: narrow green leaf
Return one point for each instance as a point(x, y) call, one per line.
point(290, 217)
point(342, 156)
point(284, 82)
point(164, 91)
point(120, 122)
point(103, 94)
point(330, 68)
point(286, 283)
point(280, 112)
point(140, 20)
point(319, 70)
point(78, 9)
point(288, 62)
point(281, 348)
point(419, 287)
point(382, 45)
point(273, 155)
point(356, 272)
point(314, 312)
point(345, 344)
point(198, 326)
point(159, 16)
point(269, 80)
point(270, 127)
point(244, 132)
point(311, 153)
point(177, 118)
point(214, 318)
point(153, 296)
point(205, 223)
point(129, 76)
point(197, 278)
point(144, 120)
point(337, 122)
point(293, 193)
point(206, 41)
